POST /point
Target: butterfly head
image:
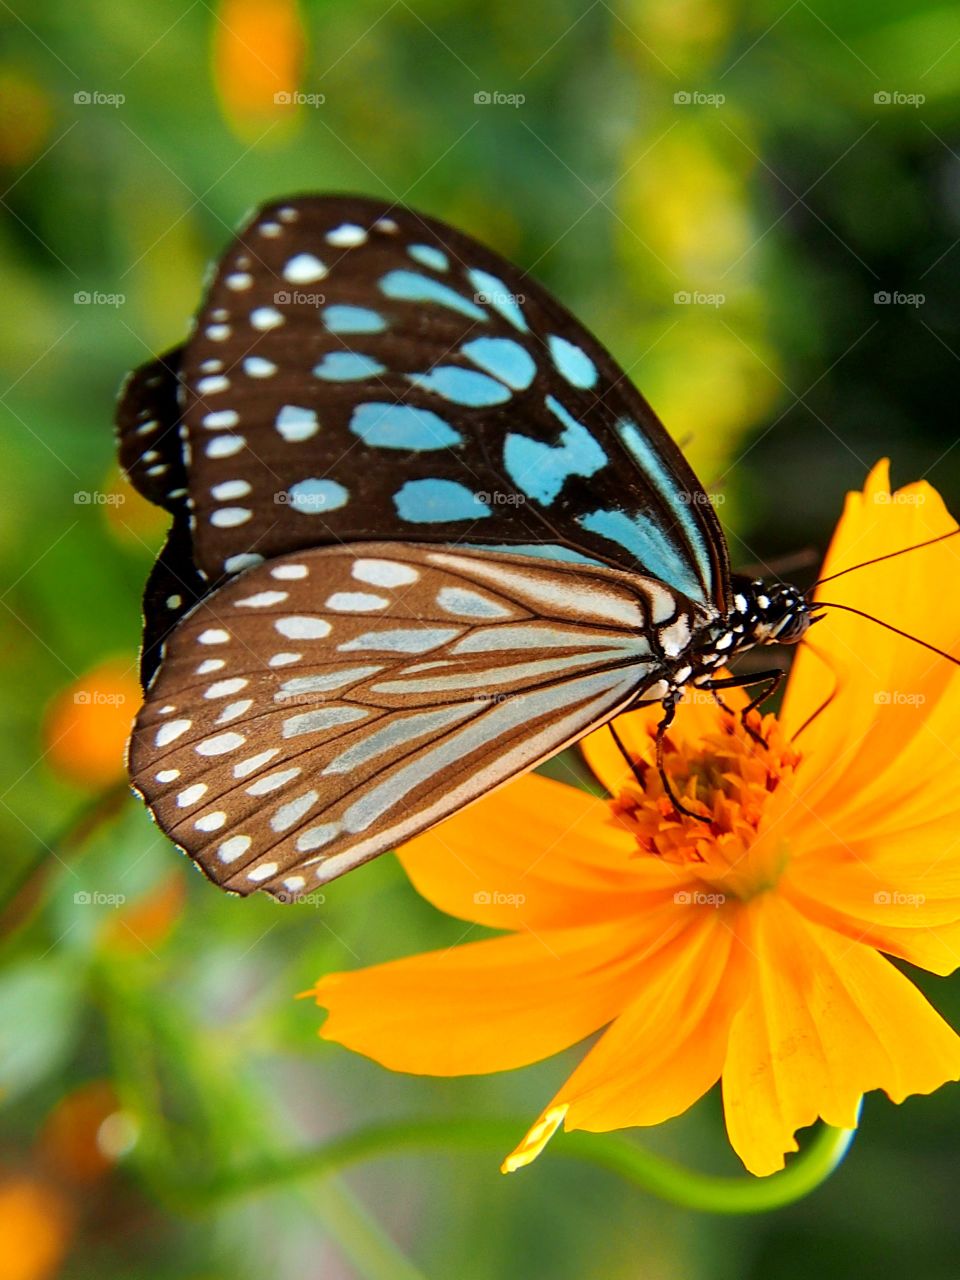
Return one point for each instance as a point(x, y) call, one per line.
point(768, 613)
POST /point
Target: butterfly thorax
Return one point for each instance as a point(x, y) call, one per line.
point(762, 613)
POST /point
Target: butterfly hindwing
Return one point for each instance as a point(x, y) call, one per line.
point(317, 710)
point(361, 371)
point(148, 427)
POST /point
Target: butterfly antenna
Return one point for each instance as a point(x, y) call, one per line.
point(888, 626)
point(891, 555)
point(814, 715)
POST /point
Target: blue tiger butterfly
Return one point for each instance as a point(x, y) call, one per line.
point(425, 535)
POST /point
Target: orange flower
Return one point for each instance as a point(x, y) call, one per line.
point(749, 950)
point(257, 58)
point(88, 723)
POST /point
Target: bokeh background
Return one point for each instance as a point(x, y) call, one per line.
point(756, 206)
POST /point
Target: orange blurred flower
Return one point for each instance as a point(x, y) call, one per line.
point(747, 951)
point(35, 1228)
point(144, 924)
point(87, 724)
point(257, 58)
point(70, 1140)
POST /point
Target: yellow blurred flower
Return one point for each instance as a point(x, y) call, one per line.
point(750, 950)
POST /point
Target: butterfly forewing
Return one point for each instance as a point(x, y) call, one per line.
point(316, 710)
point(360, 371)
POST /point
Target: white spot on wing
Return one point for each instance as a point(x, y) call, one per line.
point(169, 732)
point(384, 573)
point(302, 628)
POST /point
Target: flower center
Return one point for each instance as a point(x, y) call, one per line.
point(727, 776)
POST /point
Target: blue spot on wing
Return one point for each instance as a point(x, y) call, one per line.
point(646, 543)
point(572, 362)
point(347, 366)
point(504, 358)
point(411, 286)
point(494, 293)
point(401, 426)
point(661, 479)
point(539, 550)
point(435, 501)
point(345, 319)
point(462, 386)
point(316, 497)
point(540, 470)
point(429, 256)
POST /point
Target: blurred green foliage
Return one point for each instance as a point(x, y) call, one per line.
point(797, 198)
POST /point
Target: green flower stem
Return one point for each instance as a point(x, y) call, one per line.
point(651, 1173)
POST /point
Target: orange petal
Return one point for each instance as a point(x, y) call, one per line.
point(492, 1005)
point(666, 1049)
point(888, 689)
point(899, 894)
point(536, 855)
point(825, 1021)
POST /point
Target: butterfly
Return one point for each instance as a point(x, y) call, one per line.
point(425, 534)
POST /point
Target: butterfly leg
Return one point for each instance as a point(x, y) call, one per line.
point(771, 680)
point(669, 711)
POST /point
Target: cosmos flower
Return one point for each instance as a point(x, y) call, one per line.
point(754, 951)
